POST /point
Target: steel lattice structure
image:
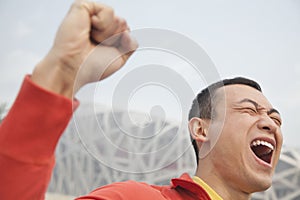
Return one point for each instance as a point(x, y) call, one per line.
point(98, 149)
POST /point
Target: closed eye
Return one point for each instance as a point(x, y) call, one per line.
point(276, 120)
point(250, 110)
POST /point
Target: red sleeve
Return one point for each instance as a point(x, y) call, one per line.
point(28, 137)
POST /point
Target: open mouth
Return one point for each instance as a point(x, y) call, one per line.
point(263, 150)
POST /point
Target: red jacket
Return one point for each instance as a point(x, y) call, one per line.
point(183, 188)
point(28, 137)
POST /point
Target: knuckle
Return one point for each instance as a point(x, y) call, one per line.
point(122, 22)
point(79, 5)
point(110, 11)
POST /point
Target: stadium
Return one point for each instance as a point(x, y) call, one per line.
point(100, 148)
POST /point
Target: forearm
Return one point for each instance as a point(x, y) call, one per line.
point(28, 137)
point(52, 74)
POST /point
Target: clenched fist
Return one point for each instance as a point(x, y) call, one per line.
point(91, 44)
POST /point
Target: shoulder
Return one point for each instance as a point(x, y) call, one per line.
point(126, 190)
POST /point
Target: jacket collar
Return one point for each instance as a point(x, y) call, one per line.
point(186, 182)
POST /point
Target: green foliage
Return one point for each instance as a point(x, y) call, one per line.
point(2, 111)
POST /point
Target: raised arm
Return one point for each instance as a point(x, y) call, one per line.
point(43, 108)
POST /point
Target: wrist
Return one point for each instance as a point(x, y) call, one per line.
point(54, 75)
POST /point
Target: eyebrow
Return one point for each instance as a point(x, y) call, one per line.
point(273, 110)
point(257, 106)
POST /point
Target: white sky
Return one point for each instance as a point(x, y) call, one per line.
point(256, 39)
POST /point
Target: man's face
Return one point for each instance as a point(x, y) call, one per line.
point(248, 148)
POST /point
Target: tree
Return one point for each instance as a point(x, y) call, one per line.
point(2, 111)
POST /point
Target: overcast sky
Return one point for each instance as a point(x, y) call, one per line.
point(256, 39)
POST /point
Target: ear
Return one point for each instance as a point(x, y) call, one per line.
point(198, 129)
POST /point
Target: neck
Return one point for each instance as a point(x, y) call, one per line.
point(224, 188)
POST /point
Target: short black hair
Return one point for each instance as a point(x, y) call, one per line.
point(202, 105)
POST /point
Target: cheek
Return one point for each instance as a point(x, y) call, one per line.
point(238, 124)
point(232, 135)
point(279, 139)
point(228, 127)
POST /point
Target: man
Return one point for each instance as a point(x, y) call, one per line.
point(241, 161)
point(246, 153)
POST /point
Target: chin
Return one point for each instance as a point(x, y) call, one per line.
point(260, 186)
point(264, 187)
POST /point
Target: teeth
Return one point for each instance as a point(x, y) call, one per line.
point(261, 142)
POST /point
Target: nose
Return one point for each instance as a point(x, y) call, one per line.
point(266, 124)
